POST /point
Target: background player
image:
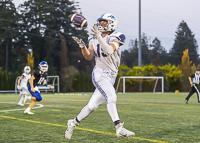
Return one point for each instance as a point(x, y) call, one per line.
point(194, 82)
point(38, 78)
point(22, 84)
point(106, 48)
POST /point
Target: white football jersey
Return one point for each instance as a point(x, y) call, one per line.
point(108, 61)
point(24, 80)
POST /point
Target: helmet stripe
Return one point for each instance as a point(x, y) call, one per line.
point(102, 16)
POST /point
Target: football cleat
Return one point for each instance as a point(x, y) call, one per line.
point(71, 126)
point(186, 101)
point(20, 104)
point(28, 112)
point(122, 132)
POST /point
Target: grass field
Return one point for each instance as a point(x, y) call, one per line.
point(153, 117)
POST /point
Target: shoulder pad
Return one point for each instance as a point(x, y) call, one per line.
point(118, 36)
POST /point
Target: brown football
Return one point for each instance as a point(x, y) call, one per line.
point(78, 20)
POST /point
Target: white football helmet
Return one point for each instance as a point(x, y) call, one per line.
point(27, 69)
point(43, 66)
point(112, 22)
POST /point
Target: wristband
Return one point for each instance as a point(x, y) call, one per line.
point(46, 84)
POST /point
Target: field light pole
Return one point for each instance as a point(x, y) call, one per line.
point(140, 49)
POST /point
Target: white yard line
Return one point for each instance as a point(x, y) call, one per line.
point(40, 106)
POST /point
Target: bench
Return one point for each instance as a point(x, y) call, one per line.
point(44, 88)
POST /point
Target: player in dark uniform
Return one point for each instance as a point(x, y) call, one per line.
point(194, 81)
point(39, 77)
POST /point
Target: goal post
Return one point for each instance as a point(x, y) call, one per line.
point(123, 78)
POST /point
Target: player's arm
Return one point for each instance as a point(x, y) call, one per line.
point(108, 49)
point(190, 79)
point(115, 45)
point(31, 83)
point(18, 81)
point(88, 53)
point(46, 84)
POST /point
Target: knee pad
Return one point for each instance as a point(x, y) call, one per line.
point(111, 99)
point(39, 98)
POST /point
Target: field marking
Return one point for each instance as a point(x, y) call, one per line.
point(40, 106)
point(84, 129)
point(55, 110)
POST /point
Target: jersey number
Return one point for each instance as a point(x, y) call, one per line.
point(41, 80)
point(98, 51)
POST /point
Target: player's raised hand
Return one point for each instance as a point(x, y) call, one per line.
point(95, 31)
point(79, 42)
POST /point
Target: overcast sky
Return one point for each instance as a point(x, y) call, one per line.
point(160, 18)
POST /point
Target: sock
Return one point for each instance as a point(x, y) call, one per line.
point(21, 99)
point(112, 110)
point(117, 122)
point(77, 120)
point(28, 109)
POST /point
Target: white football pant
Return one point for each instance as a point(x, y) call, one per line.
point(103, 80)
point(24, 90)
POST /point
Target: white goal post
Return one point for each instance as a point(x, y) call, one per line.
point(141, 77)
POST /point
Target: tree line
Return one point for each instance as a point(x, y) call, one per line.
point(42, 30)
point(156, 54)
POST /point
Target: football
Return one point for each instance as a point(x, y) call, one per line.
point(78, 20)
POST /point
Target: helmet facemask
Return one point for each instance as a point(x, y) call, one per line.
point(43, 66)
point(27, 69)
point(112, 23)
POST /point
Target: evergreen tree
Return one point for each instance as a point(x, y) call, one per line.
point(44, 22)
point(146, 58)
point(156, 44)
point(185, 39)
point(155, 57)
point(131, 55)
point(156, 52)
point(8, 16)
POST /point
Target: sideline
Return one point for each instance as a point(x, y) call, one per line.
point(40, 106)
point(84, 129)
